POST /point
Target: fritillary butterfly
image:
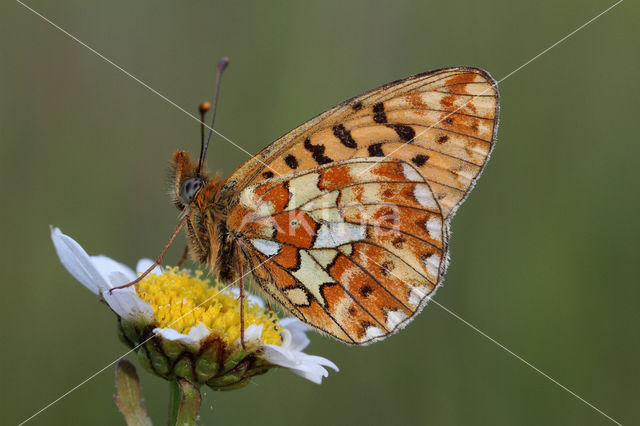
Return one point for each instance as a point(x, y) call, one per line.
point(344, 221)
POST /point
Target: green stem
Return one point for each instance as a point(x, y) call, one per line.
point(174, 401)
point(184, 403)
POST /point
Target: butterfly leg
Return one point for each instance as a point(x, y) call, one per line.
point(184, 256)
point(158, 260)
point(242, 313)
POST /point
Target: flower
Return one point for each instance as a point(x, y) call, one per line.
point(181, 327)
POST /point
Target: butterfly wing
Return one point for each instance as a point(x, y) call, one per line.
point(443, 121)
point(344, 220)
point(352, 247)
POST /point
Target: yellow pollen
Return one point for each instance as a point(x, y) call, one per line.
point(181, 301)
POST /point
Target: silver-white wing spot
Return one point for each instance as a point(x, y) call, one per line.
point(373, 332)
point(434, 227)
point(416, 295)
point(333, 234)
point(424, 196)
point(410, 173)
point(432, 263)
point(394, 318)
point(266, 247)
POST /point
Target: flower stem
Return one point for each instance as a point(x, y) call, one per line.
point(184, 403)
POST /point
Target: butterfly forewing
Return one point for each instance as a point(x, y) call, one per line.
point(345, 219)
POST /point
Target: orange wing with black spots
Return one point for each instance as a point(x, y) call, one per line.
point(353, 248)
point(444, 122)
point(344, 221)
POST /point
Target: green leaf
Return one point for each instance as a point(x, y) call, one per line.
point(128, 399)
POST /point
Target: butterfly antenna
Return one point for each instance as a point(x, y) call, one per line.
point(204, 145)
point(203, 108)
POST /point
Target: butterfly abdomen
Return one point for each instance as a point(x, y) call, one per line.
point(226, 263)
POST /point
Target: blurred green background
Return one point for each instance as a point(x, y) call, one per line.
point(544, 253)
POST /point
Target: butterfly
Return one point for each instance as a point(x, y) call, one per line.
point(344, 221)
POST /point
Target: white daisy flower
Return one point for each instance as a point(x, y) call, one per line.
point(185, 314)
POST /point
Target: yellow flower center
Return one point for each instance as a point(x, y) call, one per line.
point(181, 301)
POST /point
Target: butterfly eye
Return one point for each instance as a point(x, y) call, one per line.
point(190, 188)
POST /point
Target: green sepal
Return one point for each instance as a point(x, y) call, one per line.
point(171, 349)
point(259, 371)
point(159, 362)
point(205, 369)
point(128, 333)
point(226, 380)
point(232, 377)
point(238, 385)
point(233, 360)
point(143, 359)
point(207, 364)
point(184, 368)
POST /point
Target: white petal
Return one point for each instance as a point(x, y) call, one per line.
point(78, 262)
point(253, 333)
point(195, 336)
point(144, 264)
point(315, 374)
point(252, 336)
point(308, 366)
point(295, 338)
point(105, 265)
point(126, 303)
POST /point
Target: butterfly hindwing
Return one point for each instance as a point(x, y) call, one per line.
point(354, 247)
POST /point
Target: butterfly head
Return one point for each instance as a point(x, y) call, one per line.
point(192, 188)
